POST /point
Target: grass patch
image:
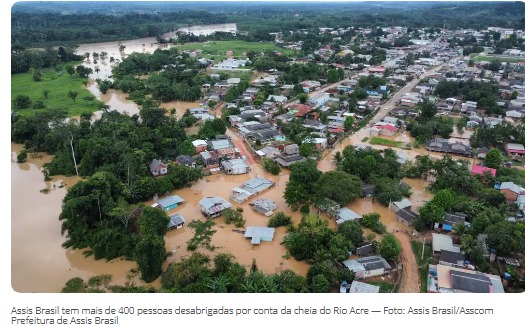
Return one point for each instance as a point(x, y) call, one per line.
point(58, 84)
point(385, 287)
point(496, 58)
point(387, 142)
point(364, 140)
point(422, 263)
point(217, 49)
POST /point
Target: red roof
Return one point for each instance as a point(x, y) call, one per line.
point(336, 130)
point(302, 109)
point(387, 127)
point(478, 169)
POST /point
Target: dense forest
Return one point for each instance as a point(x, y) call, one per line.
point(30, 28)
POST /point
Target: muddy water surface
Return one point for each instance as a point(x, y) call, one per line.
point(38, 262)
point(204, 29)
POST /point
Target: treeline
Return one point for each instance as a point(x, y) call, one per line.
point(22, 60)
point(172, 76)
point(42, 29)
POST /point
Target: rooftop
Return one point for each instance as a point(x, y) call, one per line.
point(443, 242)
point(259, 234)
point(360, 287)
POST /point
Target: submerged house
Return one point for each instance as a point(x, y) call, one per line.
point(212, 207)
point(235, 166)
point(264, 206)
point(176, 221)
point(170, 202)
point(250, 188)
point(259, 234)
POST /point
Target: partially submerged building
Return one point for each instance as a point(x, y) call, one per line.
point(250, 188)
point(264, 206)
point(259, 234)
point(212, 207)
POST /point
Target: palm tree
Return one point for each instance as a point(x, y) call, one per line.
point(468, 245)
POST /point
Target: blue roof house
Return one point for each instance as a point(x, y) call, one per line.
point(170, 202)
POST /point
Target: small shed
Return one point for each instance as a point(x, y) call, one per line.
point(365, 250)
point(259, 234)
point(170, 202)
point(176, 221)
point(402, 204)
point(369, 190)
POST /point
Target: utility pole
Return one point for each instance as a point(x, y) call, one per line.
point(423, 249)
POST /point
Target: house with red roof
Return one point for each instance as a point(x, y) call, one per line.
point(301, 110)
point(385, 129)
point(481, 170)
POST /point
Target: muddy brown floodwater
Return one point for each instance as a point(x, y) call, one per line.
point(38, 261)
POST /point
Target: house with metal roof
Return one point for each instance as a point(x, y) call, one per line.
point(450, 258)
point(286, 161)
point(212, 207)
point(157, 168)
point(402, 204)
point(250, 188)
point(210, 159)
point(515, 149)
point(170, 202)
point(510, 190)
point(360, 287)
point(259, 234)
point(186, 160)
point(219, 144)
point(235, 166)
point(176, 221)
point(364, 250)
point(346, 214)
point(406, 216)
point(481, 170)
point(445, 146)
point(443, 242)
point(264, 206)
point(368, 266)
point(456, 280)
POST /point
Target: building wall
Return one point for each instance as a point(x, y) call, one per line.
point(374, 272)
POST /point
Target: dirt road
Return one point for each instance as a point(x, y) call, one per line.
point(410, 279)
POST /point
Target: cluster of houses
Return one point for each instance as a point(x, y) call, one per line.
point(454, 274)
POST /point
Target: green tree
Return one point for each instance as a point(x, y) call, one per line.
point(150, 254)
point(431, 213)
point(302, 98)
point(70, 70)
point(72, 95)
point(320, 284)
point(306, 149)
point(372, 221)
point(339, 186)
point(187, 148)
point(22, 102)
point(271, 166)
point(349, 123)
point(202, 236)
point(493, 159)
point(389, 247)
point(353, 231)
point(279, 219)
point(444, 198)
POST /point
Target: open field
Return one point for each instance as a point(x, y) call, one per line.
point(496, 58)
point(217, 49)
point(58, 85)
point(387, 142)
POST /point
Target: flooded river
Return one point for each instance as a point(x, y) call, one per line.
point(38, 262)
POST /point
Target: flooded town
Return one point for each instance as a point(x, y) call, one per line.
point(353, 158)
